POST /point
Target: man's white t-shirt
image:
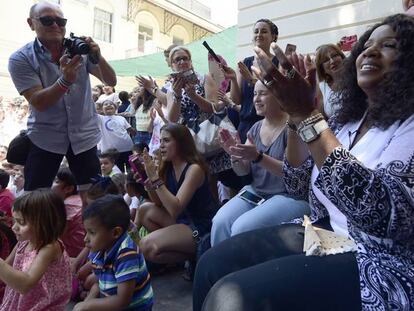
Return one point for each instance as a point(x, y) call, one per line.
point(114, 133)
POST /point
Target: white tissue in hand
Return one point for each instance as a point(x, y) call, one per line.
point(321, 242)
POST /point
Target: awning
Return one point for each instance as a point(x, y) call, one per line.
point(223, 43)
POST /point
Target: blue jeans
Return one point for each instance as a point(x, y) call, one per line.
point(238, 216)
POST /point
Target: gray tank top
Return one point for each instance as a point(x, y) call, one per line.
point(264, 182)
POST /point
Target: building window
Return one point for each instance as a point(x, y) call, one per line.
point(102, 28)
point(178, 41)
point(144, 35)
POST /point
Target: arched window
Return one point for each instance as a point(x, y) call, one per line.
point(179, 35)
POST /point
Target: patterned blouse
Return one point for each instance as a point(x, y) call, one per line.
point(191, 116)
point(376, 196)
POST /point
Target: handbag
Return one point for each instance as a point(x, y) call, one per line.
point(206, 134)
point(19, 148)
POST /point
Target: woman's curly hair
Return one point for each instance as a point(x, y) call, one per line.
point(395, 99)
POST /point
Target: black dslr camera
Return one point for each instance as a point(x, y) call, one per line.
point(75, 46)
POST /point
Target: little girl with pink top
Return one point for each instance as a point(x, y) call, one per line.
point(37, 272)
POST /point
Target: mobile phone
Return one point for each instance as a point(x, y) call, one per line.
point(137, 166)
point(290, 48)
point(189, 76)
point(251, 197)
point(347, 42)
point(212, 53)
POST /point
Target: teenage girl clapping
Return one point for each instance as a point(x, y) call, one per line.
point(37, 272)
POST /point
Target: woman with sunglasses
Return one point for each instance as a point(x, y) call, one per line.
point(360, 187)
point(191, 101)
point(329, 60)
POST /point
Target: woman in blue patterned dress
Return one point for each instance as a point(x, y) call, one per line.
point(360, 181)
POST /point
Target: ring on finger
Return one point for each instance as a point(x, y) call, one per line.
point(269, 83)
point(290, 74)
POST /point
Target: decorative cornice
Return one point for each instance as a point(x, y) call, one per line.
point(133, 8)
point(170, 20)
point(199, 32)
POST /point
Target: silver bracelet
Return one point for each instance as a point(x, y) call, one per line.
point(311, 120)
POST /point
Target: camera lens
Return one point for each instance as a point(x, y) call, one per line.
point(82, 48)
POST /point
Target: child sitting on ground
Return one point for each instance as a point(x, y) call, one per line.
point(65, 186)
point(84, 277)
point(136, 192)
point(107, 161)
point(126, 285)
point(37, 272)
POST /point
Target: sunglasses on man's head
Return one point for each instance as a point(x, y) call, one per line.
point(48, 21)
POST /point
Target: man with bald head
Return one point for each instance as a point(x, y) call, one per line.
point(63, 120)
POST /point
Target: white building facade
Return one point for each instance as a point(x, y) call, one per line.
point(308, 24)
point(122, 28)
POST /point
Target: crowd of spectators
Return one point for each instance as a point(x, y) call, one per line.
point(313, 188)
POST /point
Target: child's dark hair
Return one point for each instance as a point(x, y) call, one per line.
point(111, 154)
point(146, 100)
point(119, 181)
point(101, 185)
point(45, 210)
point(111, 210)
point(123, 96)
point(139, 147)
point(65, 175)
point(137, 188)
point(4, 179)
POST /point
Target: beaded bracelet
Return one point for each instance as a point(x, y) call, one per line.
point(311, 120)
point(154, 185)
point(63, 84)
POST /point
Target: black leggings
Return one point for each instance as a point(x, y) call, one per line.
point(266, 269)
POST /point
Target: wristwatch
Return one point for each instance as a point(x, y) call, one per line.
point(259, 157)
point(310, 132)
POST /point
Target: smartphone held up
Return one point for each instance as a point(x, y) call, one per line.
point(137, 165)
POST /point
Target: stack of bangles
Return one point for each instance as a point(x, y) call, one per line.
point(63, 84)
point(153, 185)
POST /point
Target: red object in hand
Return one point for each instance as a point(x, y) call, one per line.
point(347, 42)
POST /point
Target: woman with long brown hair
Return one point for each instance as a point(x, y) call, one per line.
point(183, 205)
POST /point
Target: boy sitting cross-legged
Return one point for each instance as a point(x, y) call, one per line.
point(124, 282)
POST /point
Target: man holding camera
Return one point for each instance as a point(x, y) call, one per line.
point(53, 76)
